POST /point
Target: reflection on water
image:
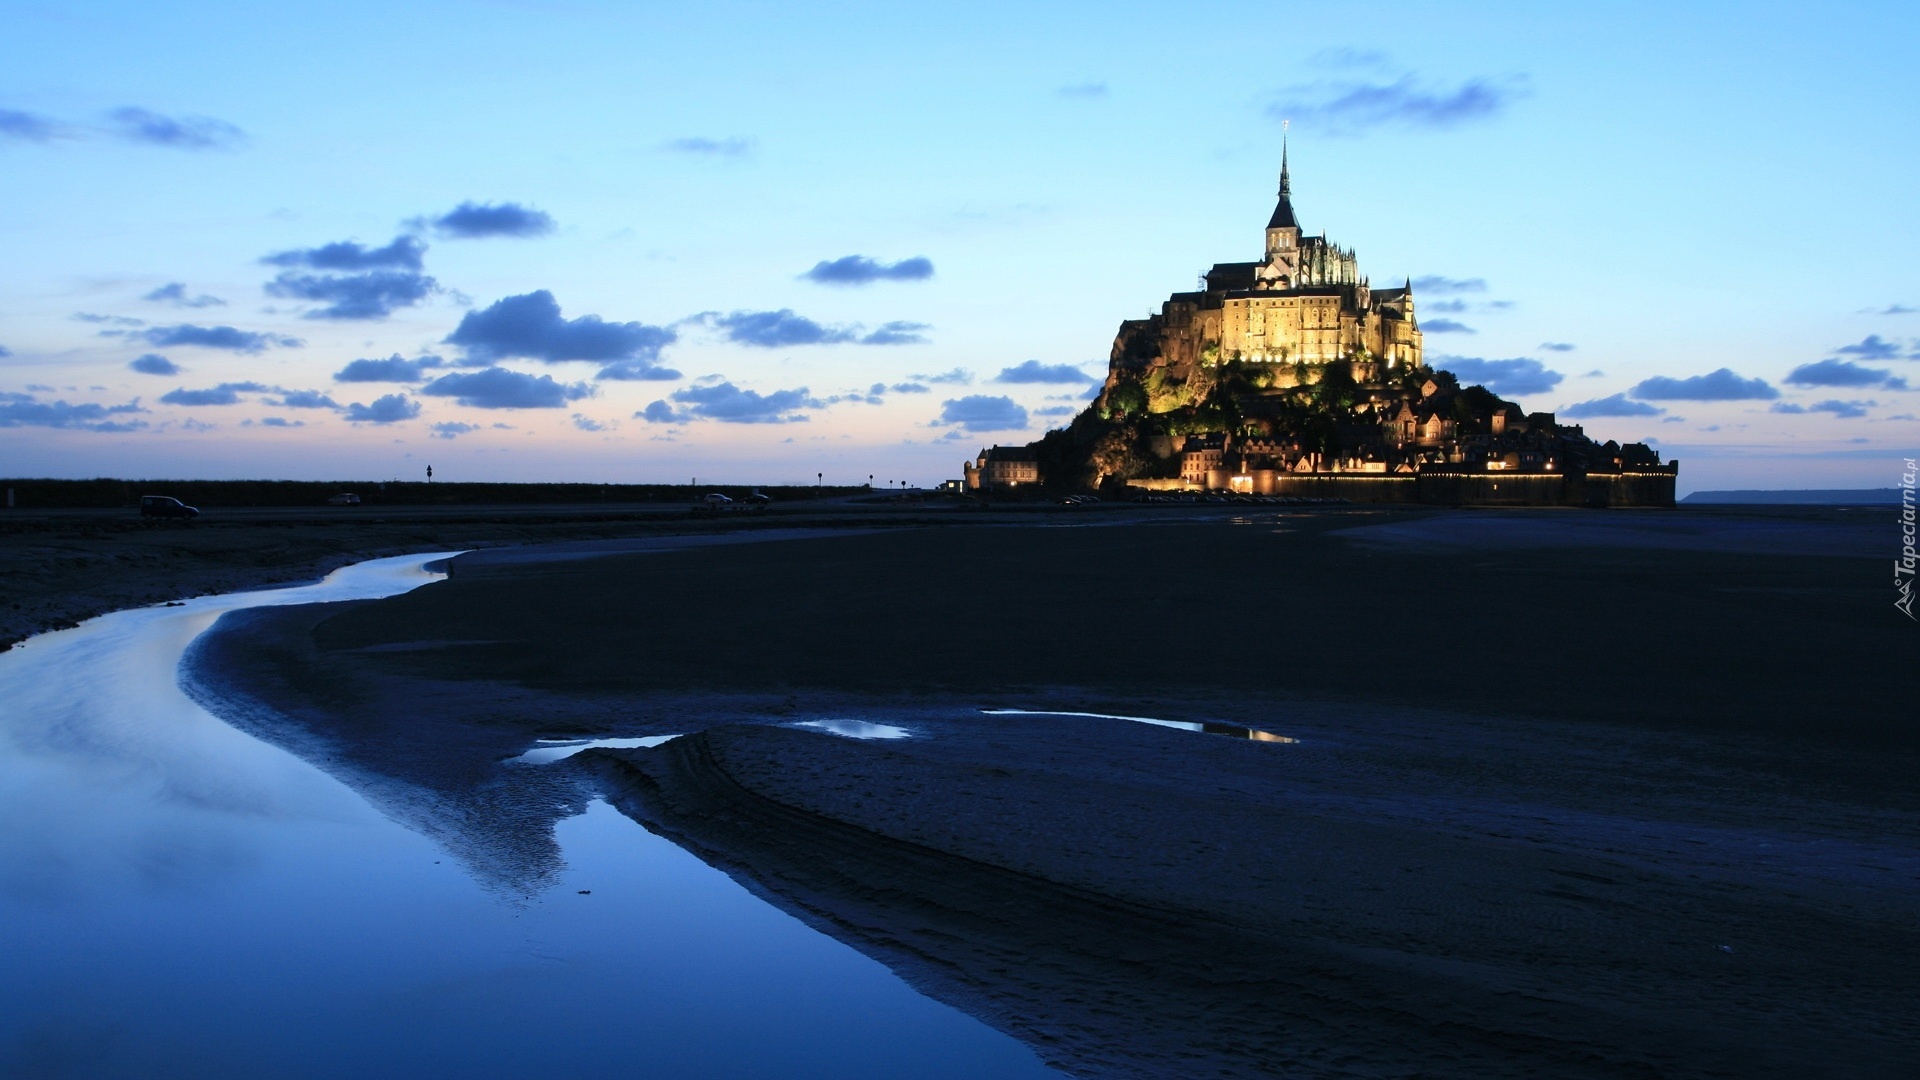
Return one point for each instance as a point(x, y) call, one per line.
point(1232, 731)
point(180, 899)
point(552, 750)
point(856, 729)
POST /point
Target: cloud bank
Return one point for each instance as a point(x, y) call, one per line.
point(979, 412)
point(1353, 107)
point(499, 388)
point(25, 410)
point(1611, 405)
point(1033, 371)
point(394, 369)
point(216, 337)
point(1520, 375)
point(860, 270)
point(404, 253)
point(531, 327)
point(390, 409)
point(153, 364)
point(729, 404)
point(175, 293)
point(784, 328)
point(371, 295)
point(1720, 385)
point(476, 221)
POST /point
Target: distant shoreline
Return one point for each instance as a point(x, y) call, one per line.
point(1796, 497)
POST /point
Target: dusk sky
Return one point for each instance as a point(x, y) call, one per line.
point(752, 242)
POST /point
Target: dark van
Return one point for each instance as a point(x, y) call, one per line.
point(166, 506)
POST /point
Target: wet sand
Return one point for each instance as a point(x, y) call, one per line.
point(58, 567)
point(1608, 808)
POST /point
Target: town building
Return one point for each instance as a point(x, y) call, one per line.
point(1001, 467)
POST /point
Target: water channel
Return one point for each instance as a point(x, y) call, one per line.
point(180, 899)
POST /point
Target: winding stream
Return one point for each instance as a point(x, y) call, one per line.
point(180, 899)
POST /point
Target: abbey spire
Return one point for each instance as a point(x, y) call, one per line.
point(1283, 212)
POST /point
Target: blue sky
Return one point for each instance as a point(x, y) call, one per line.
point(752, 242)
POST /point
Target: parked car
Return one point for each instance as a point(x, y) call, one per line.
point(344, 499)
point(715, 499)
point(166, 506)
point(759, 498)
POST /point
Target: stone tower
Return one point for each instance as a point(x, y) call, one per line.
point(1282, 268)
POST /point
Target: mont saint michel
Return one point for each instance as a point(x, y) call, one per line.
point(1294, 375)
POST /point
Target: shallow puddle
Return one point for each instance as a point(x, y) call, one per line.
point(552, 750)
point(1231, 731)
point(856, 729)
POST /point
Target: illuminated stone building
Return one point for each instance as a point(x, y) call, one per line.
point(1292, 377)
point(1001, 467)
point(1305, 303)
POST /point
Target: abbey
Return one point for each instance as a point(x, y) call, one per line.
point(1304, 303)
point(1293, 376)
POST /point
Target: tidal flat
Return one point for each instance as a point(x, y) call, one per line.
point(1576, 794)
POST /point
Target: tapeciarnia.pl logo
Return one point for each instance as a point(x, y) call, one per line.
point(1904, 565)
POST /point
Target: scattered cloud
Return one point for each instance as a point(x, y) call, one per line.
point(1446, 326)
point(531, 326)
point(1520, 375)
point(1351, 107)
point(500, 388)
point(281, 421)
point(587, 423)
point(784, 329)
point(404, 253)
point(897, 332)
point(958, 376)
point(729, 404)
point(306, 399)
point(1556, 346)
point(227, 393)
point(452, 429)
point(1844, 373)
point(181, 133)
point(394, 369)
point(860, 270)
point(370, 295)
point(1596, 373)
point(910, 388)
point(778, 329)
point(1720, 385)
point(734, 146)
point(476, 221)
point(106, 320)
point(1871, 347)
point(1445, 307)
point(26, 410)
point(1611, 405)
point(26, 126)
point(175, 293)
point(5, 352)
point(390, 409)
point(1446, 286)
point(1056, 410)
point(1845, 410)
point(978, 412)
point(1893, 309)
point(1083, 90)
point(1033, 371)
point(154, 364)
point(131, 124)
